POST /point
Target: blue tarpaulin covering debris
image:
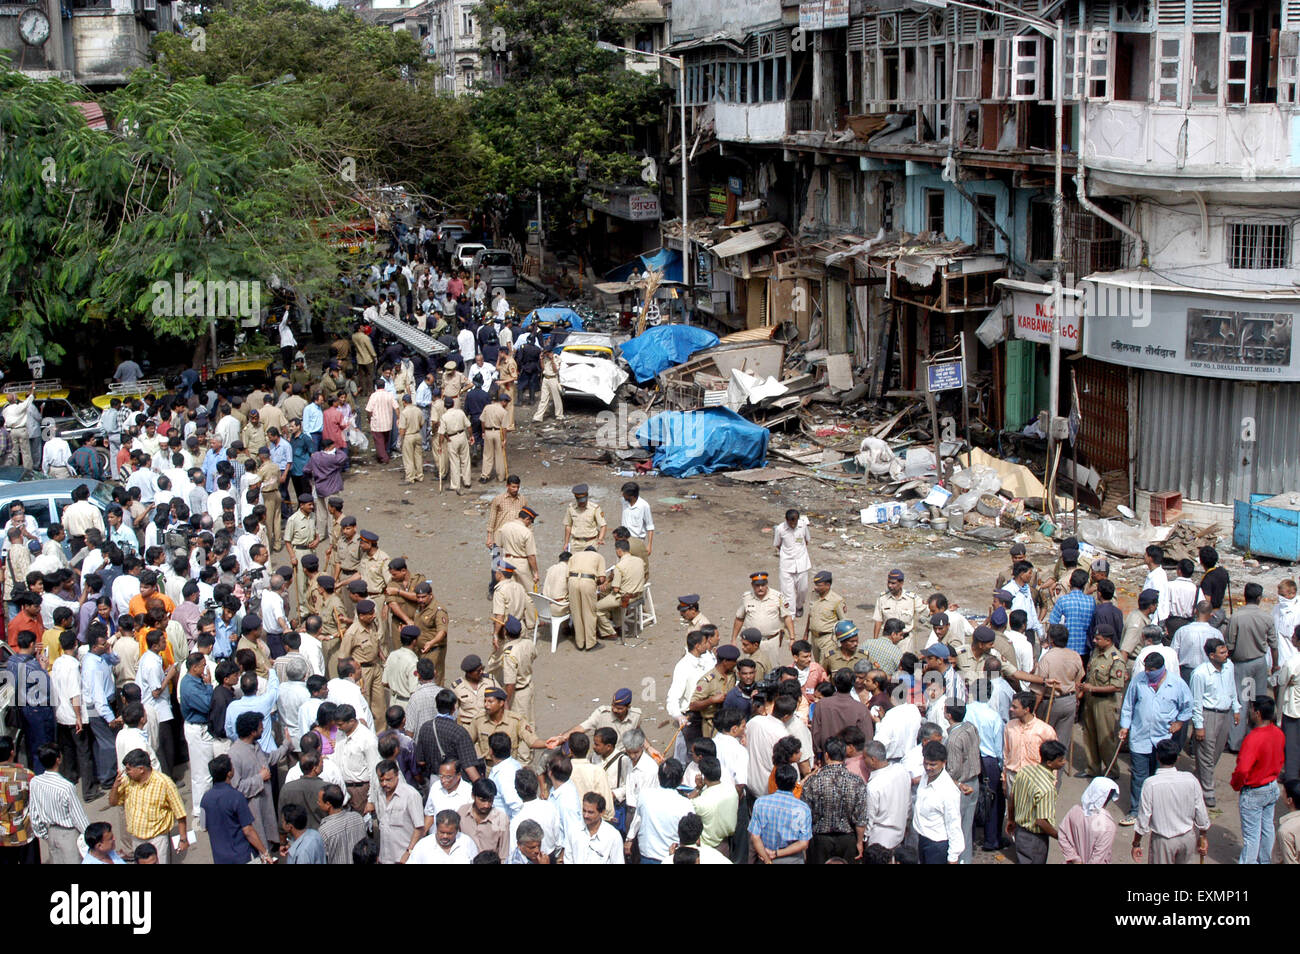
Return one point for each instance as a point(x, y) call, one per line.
point(658, 349)
point(689, 443)
point(553, 316)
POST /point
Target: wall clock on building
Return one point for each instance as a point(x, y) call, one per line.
point(34, 26)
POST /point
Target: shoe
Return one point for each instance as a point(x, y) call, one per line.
point(92, 794)
point(1128, 820)
point(1082, 775)
point(482, 480)
point(990, 847)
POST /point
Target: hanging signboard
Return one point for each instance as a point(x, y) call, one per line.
point(810, 15)
point(944, 376)
point(835, 14)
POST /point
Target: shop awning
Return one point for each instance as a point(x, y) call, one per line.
point(733, 41)
point(750, 240)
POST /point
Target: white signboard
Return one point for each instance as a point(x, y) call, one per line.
point(810, 15)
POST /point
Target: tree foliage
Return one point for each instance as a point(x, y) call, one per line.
point(368, 86)
point(214, 182)
point(563, 101)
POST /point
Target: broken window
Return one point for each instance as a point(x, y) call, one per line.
point(934, 211)
point(1026, 68)
point(1205, 67)
point(1169, 69)
point(985, 234)
point(966, 79)
point(1288, 67)
point(1041, 232)
point(1236, 80)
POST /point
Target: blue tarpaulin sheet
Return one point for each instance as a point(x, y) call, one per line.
point(658, 349)
point(689, 443)
point(667, 260)
point(553, 315)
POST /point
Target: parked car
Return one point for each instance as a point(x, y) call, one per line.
point(45, 500)
point(59, 413)
point(15, 475)
point(451, 233)
point(499, 266)
point(466, 252)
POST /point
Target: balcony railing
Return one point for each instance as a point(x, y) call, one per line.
point(761, 122)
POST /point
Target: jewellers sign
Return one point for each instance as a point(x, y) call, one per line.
point(1211, 336)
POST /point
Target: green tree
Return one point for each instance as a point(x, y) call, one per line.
point(367, 85)
point(563, 101)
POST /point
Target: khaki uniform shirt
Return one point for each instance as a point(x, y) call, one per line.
point(273, 416)
point(838, 660)
point(410, 421)
point(361, 643)
point(333, 604)
point(515, 662)
point(507, 371)
point(349, 553)
point(374, 570)
point(502, 509)
point(556, 584)
point(253, 436)
point(767, 615)
point(453, 421)
point(712, 683)
point(365, 348)
point(409, 607)
point(493, 417)
point(602, 717)
point(1107, 669)
point(1061, 664)
point(586, 563)
point(824, 612)
point(584, 524)
point(469, 698)
point(516, 540)
point(512, 724)
point(509, 598)
point(300, 529)
point(327, 386)
point(1131, 640)
point(315, 601)
point(263, 661)
point(454, 384)
point(432, 620)
point(629, 575)
point(270, 475)
point(907, 607)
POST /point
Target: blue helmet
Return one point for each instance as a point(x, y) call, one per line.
point(845, 629)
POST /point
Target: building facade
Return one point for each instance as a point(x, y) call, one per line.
point(94, 44)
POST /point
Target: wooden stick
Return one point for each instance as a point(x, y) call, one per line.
point(1051, 701)
point(1118, 746)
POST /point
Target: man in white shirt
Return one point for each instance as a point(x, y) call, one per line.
point(644, 773)
point(466, 342)
point(897, 731)
point(791, 539)
point(275, 618)
point(155, 680)
point(1157, 580)
point(502, 775)
point(1182, 597)
point(1286, 617)
point(481, 374)
point(57, 458)
point(145, 479)
point(596, 842)
point(686, 673)
point(637, 520)
point(1151, 641)
point(450, 793)
point(936, 813)
point(540, 811)
point(356, 752)
point(345, 691)
point(889, 798)
point(448, 845)
point(761, 733)
point(660, 809)
point(1188, 643)
point(65, 683)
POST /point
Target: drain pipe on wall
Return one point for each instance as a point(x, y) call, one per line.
point(1081, 186)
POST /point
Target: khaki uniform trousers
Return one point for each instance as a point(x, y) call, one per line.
point(522, 703)
point(413, 456)
point(372, 687)
point(609, 609)
point(494, 460)
point(1100, 731)
point(550, 395)
point(274, 521)
point(582, 607)
point(458, 460)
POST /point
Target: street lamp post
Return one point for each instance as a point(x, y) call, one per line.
point(681, 107)
point(1054, 31)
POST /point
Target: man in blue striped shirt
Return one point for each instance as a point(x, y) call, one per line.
point(1075, 609)
point(780, 826)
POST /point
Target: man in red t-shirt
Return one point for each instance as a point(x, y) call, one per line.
point(28, 618)
point(1255, 780)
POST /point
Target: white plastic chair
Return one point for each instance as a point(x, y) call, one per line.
point(639, 614)
point(646, 611)
point(548, 609)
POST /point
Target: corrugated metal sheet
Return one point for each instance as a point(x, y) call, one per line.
point(1190, 437)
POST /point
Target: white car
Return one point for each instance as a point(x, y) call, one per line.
point(589, 366)
point(466, 251)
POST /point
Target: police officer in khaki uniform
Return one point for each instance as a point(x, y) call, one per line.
point(900, 604)
point(507, 378)
point(509, 598)
point(454, 440)
point(399, 594)
point(431, 617)
point(454, 385)
point(312, 599)
point(688, 607)
point(825, 609)
point(505, 506)
point(347, 556)
point(374, 570)
point(361, 644)
point(586, 571)
point(270, 474)
point(752, 648)
point(619, 715)
point(1102, 694)
point(496, 718)
point(437, 408)
point(410, 436)
point(764, 610)
point(961, 657)
point(584, 522)
point(300, 539)
point(847, 654)
point(493, 422)
point(626, 583)
point(333, 532)
point(470, 688)
point(334, 623)
point(709, 694)
point(519, 547)
point(512, 661)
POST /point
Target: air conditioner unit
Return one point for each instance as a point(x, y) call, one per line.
point(146, 6)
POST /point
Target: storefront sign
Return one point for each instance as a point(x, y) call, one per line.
point(1193, 333)
point(810, 15)
point(835, 14)
point(629, 206)
point(1032, 317)
point(718, 200)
